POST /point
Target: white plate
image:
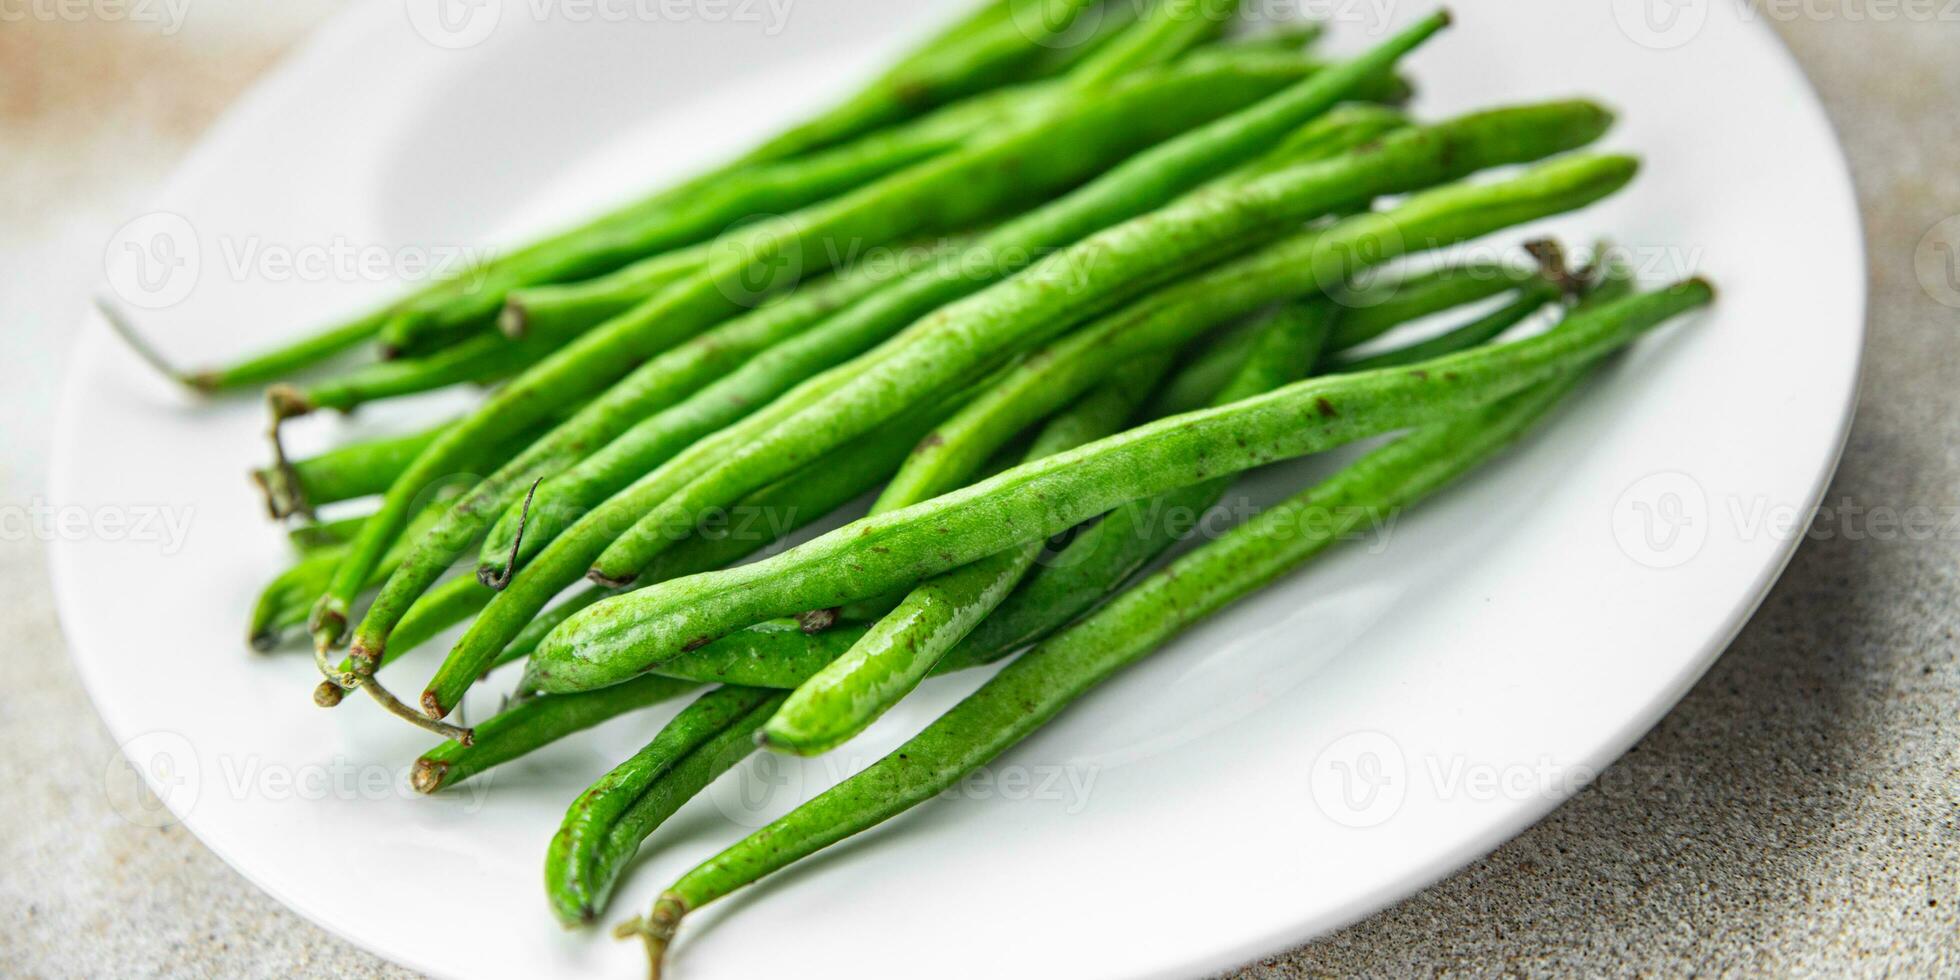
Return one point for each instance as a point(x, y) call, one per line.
point(1520, 633)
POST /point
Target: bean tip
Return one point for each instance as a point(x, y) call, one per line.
point(514, 320)
point(328, 694)
point(428, 774)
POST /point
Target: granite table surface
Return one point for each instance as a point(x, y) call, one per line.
point(1797, 813)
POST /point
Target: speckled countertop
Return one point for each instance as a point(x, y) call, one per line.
point(1798, 813)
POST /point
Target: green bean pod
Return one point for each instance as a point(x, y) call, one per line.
point(1533, 298)
point(1035, 687)
point(343, 473)
point(623, 636)
point(1166, 31)
point(715, 732)
point(531, 724)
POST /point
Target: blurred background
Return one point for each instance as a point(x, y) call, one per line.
point(1798, 812)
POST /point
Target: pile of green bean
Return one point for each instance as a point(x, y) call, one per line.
point(1115, 267)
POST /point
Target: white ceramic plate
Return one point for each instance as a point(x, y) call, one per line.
point(1331, 745)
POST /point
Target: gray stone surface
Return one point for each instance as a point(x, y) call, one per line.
point(1796, 813)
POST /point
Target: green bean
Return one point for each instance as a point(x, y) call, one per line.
point(530, 724)
point(578, 306)
point(1169, 29)
point(715, 732)
point(1533, 298)
point(1031, 690)
point(1111, 266)
point(311, 537)
point(480, 360)
point(344, 473)
point(1291, 37)
point(654, 442)
point(1113, 21)
point(620, 637)
point(1375, 308)
point(891, 659)
point(989, 50)
point(955, 190)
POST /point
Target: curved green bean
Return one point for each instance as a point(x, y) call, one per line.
point(715, 731)
point(620, 637)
